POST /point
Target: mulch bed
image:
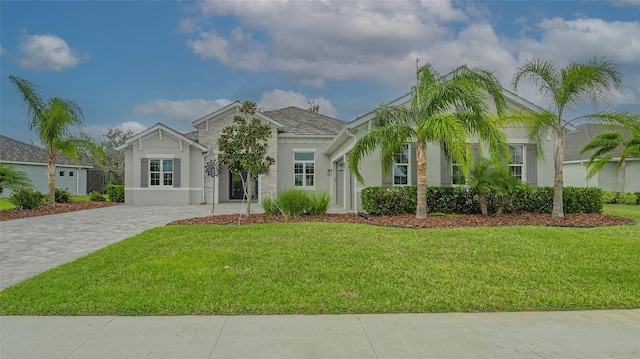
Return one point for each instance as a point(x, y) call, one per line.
point(403, 220)
point(55, 209)
point(432, 221)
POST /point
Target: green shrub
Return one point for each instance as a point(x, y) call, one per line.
point(609, 196)
point(626, 198)
point(62, 195)
point(637, 197)
point(582, 200)
point(269, 205)
point(115, 193)
point(27, 198)
point(462, 200)
point(293, 202)
point(319, 203)
point(96, 196)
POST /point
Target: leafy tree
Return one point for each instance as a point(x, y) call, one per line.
point(604, 144)
point(591, 79)
point(12, 179)
point(314, 106)
point(244, 147)
point(107, 157)
point(446, 110)
point(53, 120)
point(489, 176)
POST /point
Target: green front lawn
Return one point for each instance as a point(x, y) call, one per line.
point(343, 268)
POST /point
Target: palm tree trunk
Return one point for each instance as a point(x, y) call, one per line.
point(623, 174)
point(558, 158)
point(482, 199)
point(502, 201)
point(51, 178)
point(421, 160)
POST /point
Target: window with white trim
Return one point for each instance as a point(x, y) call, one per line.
point(304, 169)
point(160, 172)
point(401, 167)
point(517, 161)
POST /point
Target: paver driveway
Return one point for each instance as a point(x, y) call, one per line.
point(30, 246)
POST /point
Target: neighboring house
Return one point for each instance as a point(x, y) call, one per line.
point(575, 165)
point(32, 160)
point(311, 150)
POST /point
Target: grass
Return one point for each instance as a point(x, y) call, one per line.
point(343, 268)
point(5, 204)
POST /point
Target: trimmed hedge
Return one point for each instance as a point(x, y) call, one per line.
point(115, 193)
point(621, 198)
point(462, 200)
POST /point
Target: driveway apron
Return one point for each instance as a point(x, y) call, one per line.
point(30, 246)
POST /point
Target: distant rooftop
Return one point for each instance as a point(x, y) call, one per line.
point(15, 151)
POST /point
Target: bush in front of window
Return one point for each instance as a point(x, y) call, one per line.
point(62, 195)
point(96, 196)
point(115, 193)
point(319, 203)
point(293, 202)
point(296, 202)
point(27, 198)
point(462, 200)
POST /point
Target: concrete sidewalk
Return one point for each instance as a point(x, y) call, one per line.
point(589, 334)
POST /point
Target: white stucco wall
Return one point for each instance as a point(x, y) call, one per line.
point(76, 183)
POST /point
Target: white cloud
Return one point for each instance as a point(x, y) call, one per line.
point(182, 110)
point(3, 51)
point(278, 99)
point(323, 40)
point(316, 41)
point(48, 52)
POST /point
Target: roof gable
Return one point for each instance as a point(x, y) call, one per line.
point(15, 151)
point(303, 122)
point(163, 129)
point(234, 106)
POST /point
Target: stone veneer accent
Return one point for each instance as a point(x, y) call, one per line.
point(267, 184)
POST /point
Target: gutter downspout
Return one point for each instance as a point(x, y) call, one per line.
point(355, 198)
point(78, 182)
point(203, 173)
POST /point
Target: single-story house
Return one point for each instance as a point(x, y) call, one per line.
point(163, 166)
point(609, 178)
point(32, 160)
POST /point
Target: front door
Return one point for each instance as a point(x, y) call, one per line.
point(236, 189)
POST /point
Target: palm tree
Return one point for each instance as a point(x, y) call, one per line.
point(12, 179)
point(566, 87)
point(447, 110)
point(604, 144)
point(490, 176)
point(52, 120)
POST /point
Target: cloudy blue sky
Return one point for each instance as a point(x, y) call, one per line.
point(130, 64)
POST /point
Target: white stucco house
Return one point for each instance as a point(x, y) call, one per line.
point(163, 166)
point(32, 160)
point(610, 177)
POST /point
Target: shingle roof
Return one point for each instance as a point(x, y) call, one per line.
point(15, 151)
point(303, 122)
point(577, 138)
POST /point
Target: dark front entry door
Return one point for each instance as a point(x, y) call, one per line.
point(236, 190)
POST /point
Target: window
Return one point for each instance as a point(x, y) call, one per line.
point(304, 169)
point(161, 172)
point(401, 167)
point(517, 161)
point(61, 173)
point(70, 173)
point(457, 176)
